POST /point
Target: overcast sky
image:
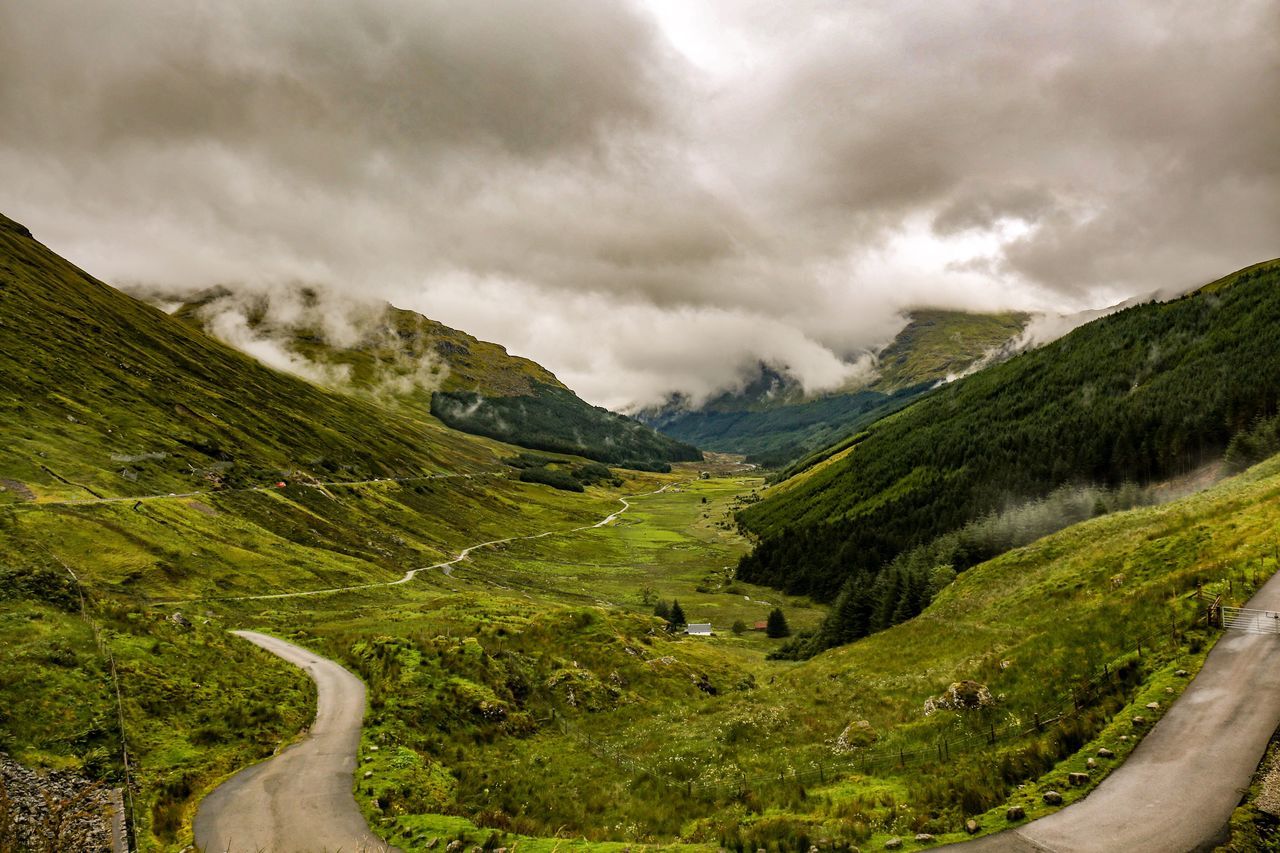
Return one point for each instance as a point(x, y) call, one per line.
point(651, 197)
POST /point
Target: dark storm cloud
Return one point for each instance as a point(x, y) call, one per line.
point(643, 203)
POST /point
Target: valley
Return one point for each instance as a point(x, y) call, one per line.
point(501, 629)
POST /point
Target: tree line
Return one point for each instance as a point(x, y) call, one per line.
point(1150, 392)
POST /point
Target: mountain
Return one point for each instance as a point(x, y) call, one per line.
point(774, 422)
point(1143, 394)
point(401, 357)
point(110, 396)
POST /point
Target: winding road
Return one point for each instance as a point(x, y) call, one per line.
point(1177, 790)
point(302, 799)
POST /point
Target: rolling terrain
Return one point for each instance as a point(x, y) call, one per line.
point(523, 692)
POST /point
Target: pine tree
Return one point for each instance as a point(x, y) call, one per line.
point(662, 610)
point(677, 619)
point(777, 624)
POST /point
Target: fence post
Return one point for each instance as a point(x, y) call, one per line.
point(993, 733)
point(902, 762)
point(822, 773)
point(1039, 725)
point(1139, 650)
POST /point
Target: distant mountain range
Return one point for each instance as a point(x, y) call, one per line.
point(774, 422)
point(403, 358)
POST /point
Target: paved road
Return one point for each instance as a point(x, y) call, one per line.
point(301, 800)
point(1177, 790)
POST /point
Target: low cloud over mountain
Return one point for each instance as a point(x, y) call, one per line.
point(653, 197)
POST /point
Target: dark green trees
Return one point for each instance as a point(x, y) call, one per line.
point(677, 619)
point(777, 626)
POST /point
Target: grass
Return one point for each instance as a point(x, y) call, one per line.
point(531, 696)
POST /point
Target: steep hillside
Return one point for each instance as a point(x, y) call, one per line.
point(774, 422)
point(403, 358)
point(1151, 391)
point(105, 395)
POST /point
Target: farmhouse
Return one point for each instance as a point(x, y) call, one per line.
point(699, 629)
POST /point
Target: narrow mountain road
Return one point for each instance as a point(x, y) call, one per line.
point(302, 799)
point(445, 566)
point(1177, 790)
point(316, 484)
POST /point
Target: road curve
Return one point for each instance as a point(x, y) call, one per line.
point(300, 800)
point(1177, 790)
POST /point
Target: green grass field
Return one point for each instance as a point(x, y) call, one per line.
point(531, 697)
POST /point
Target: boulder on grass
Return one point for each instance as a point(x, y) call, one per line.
point(1052, 798)
point(1015, 813)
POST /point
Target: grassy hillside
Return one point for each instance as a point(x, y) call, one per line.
point(939, 344)
point(103, 395)
point(773, 422)
point(113, 613)
point(513, 718)
point(400, 357)
point(1140, 395)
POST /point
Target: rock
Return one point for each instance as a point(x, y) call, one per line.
point(178, 619)
point(373, 749)
point(1153, 706)
point(894, 843)
point(1053, 798)
point(1124, 738)
point(1182, 673)
point(455, 846)
point(1015, 813)
point(433, 843)
point(1139, 721)
point(857, 735)
point(924, 838)
point(85, 808)
point(1103, 752)
point(961, 696)
point(368, 774)
point(1169, 690)
point(813, 849)
point(1078, 779)
point(971, 826)
point(1092, 764)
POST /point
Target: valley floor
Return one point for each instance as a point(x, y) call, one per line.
point(529, 696)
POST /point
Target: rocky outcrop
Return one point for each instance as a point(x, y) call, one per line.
point(53, 811)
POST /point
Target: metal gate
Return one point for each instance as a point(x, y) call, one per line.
point(1251, 621)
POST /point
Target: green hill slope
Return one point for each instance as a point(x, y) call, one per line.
point(1148, 392)
point(401, 357)
point(106, 395)
point(773, 422)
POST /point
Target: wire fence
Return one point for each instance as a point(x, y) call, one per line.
point(104, 650)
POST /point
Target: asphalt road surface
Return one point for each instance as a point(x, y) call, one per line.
point(1177, 790)
point(301, 800)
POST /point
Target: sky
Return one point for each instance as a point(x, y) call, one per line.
point(654, 196)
